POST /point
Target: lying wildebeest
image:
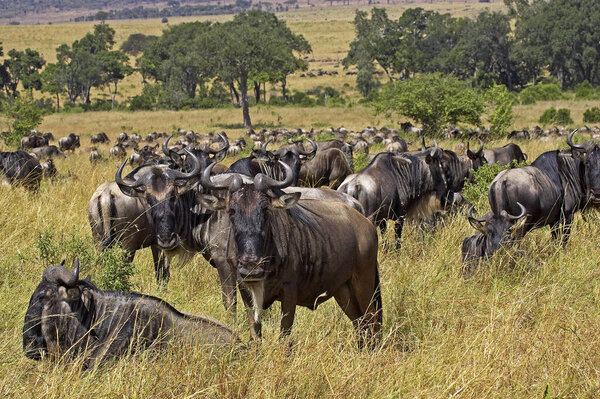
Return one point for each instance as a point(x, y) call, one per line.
point(69, 143)
point(34, 141)
point(394, 186)
point(20, 168)
point(100, 138)
point(328, 168)
point(551, 190)
point(299, 252)
point(504, 155)
point(68, 317)
point(47, 152)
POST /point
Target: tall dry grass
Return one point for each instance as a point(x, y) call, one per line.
point(527, 323)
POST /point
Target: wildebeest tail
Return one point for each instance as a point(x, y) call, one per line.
point(106, 208)
point(377, 298)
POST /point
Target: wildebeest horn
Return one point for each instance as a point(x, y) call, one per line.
point(224, 148)
point(570, 142)
point(263, 182)
point(165, 146)
point(470, 215)
point(208, 184)
point(480, 146)
point(60, 274)
point(263, 148)
point(508, 216)
point(197, 166)
point(423, 146)
point(136, 185)
point(311, 152)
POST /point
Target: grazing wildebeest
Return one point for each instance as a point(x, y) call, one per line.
point(299, 252)
point(458, 168)
point(49, 169)
point(69, 143)
point(100, 138)
point(34, 141)
point(328, 168)
point(95, 157)
point(397, 145)
point(47, 152)
point(68, 317)
point(552, 189)
point(117, 151)
point(20, 168)
point(394, 186)
point(504, 155)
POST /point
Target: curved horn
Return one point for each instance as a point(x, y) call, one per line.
point(207, 182)
point(470, 215)
point(423, 146)
point(60, 274)
point(196, 168)
point(508, 216)
point(435, 144)
point(165, 147)
point(263, 182)
point(311, 152)
point(263, 148)
point(480, 146)
point(136, 185)
point(224, 148)
point(570, 142)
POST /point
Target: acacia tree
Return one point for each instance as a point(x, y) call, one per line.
point(23, 67)
point(115, 67)
point(247, 47)
point(434, 100)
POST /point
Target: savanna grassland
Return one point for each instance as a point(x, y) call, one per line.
point(527, 324)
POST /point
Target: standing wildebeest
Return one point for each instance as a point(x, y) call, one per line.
point(100, 138)
point(47, 152)
point(49, 169)
point(504, 155)
point(117, 151)
point(20, 168)
point(69, 143)
point(394, 186)
point(328, 168)
point(68, 317)
point(551, 190)
point(34, 141)
point(300, 252)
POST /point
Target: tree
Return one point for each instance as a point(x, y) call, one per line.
point(500, 113)
point(23, 67)
point(247, 47)
point(433, 100)
point(136, 42)
point(53, 81)
point(22, 116)
point(115, 66)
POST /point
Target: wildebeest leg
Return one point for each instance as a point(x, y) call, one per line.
point(382, 224)
point(346, 298)
point(398, 230)
point(566, 229)
point(161, 265)
point(227, 276)
point(288, 309)
point(255, 325)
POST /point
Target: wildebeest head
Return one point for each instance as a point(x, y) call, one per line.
point(590, 156)
point(250, 208)
point(494, 231)
point(58, 312)
point(476, 156)
point(161, 187)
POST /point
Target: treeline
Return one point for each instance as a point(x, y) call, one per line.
point(191, 65)
point(555, 38)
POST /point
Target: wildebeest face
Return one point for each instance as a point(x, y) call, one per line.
point(592, 173)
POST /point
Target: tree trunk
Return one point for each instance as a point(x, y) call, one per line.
point(283, 85)
point(57, 102)
point(257, 92)
point(245, 106)
point(235, 92)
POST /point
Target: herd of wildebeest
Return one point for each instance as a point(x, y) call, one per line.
point(270, 228)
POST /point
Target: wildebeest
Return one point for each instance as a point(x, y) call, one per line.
point(394, 186)
point(328, 168)
point(551, 190)
point(299, 252)
point(144, 155)
point(49, 169)
point(69, 143)
point(398, 145)
point(95, 156)
point(117, 151)
point(47, 152)
point(34, 141)
point(20, 168)
point(504, 155)
point(68, 317)
point(100, 138)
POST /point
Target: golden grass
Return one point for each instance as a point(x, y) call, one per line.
point(510, 331)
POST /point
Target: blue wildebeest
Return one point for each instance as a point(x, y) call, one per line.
point(299, 252)
point(68, 317)
point(20, 168)
point(550, 191)
point(505, 155)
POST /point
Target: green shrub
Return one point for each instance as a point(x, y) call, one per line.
point(586, 91)
point(548, 116)
point(591, 115)
point(476, 192)
point(540, 92)
point(361, 161)
point(22, 117)
point(561, 116)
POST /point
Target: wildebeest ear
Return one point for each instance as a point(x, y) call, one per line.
point(210, 201)
point(219, 156)
point(285, 200)
point(70, 294)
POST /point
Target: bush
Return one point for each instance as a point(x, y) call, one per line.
point(500, 114)
point(586, 91)
point(22, 116)
point(112, 270)
point(476, 192)
point(556, 117)
point(591, 115)
point(540, 92)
